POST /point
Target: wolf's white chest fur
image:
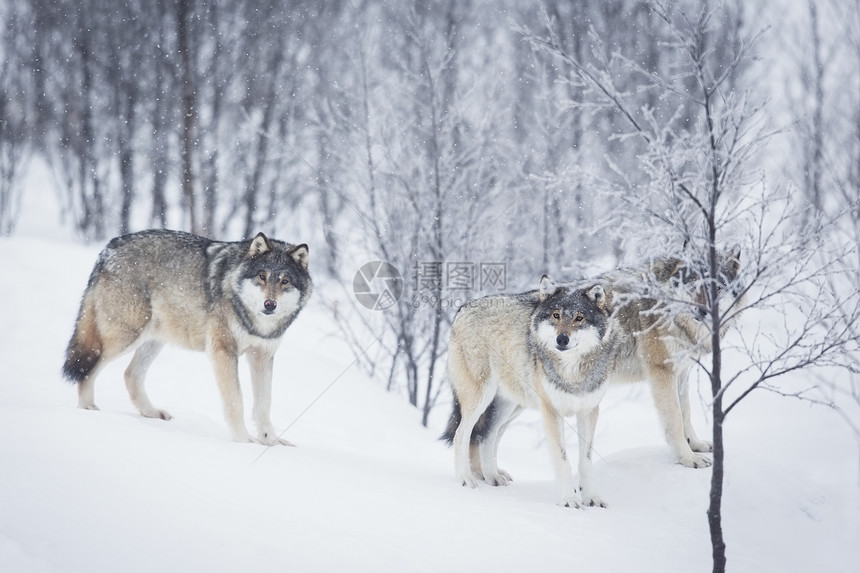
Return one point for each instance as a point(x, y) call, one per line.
point(568, 404)
point(573, 367)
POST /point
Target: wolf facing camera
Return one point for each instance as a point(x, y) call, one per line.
point(157, 287)
point(549, 349)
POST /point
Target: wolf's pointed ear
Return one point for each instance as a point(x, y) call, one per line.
point(735, 252)
point(547, 288)
point(259, 245)
point(597, 296)
point(300, 253)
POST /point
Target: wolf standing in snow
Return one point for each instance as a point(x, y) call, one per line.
point(549, 349)
point(224, 298)
point(661, 343)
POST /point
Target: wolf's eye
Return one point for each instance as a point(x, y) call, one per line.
point(578, 318)
point(556, 315)
point(262, 276)
point(285, 282)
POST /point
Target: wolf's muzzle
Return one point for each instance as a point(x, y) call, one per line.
point(269, 306)
point(562, 341)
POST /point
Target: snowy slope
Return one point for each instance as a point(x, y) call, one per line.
point(367, 488)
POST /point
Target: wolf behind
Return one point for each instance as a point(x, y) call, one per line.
point(549, 349)
point(660, 344)
point(225, 298)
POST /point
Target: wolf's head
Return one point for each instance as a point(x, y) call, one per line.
point(274, 282)
point(688, 277)
point(570, 317)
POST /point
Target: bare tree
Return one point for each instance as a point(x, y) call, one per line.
point(14, 147)
point(119, 70)
point(702, 192)
point(183, 12)
point(423, 196)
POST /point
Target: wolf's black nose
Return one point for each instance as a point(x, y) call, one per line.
point(562, 340)
point(270, 305)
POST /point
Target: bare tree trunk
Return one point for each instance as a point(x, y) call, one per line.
point(159, 136)
point(715, 515)
point(436, 245)
point(210, 177)
point(189, 111)
point(92, 222)
point(126, 160)
point(715, 508)
point(261, 155)
point(813, 187)
point(332, 253)
point(159, 166)
point(547, 222)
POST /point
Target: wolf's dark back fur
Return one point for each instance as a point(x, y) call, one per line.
point(214, 259)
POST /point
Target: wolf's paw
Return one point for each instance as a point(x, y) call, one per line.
point(701, 445)
point(88, 407)
point(245, 438)
point(570, 501)
point(467, 479)
point(592, 500)
point(155, 413)
point(270, 438)
point(695, 461)
point(500, 478)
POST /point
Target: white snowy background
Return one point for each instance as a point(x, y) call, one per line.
point(367, 488)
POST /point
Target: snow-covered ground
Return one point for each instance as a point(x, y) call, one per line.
point(367, 488)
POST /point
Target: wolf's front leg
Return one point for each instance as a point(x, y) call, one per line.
point(261, 379)
point(667, 400)
point(696, 444)
point(586, 422)
point(554, 426)
point(225, 362)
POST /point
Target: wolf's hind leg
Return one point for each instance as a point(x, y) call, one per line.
point(471, 409)
point(664, 388)
point(135, 375)
point(504, 414)
point(87, 393)
point(86, 385)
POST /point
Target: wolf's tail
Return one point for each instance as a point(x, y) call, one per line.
point(481, 429)
point(453, 423)
point(85, 346)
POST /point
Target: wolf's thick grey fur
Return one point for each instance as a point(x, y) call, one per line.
point(224, 298)
point(549, 349)
point(642, 339)
point(660, 344)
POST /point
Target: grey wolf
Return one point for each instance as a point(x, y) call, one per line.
point(660, 342)
point(225, 298)
point(549, 349)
